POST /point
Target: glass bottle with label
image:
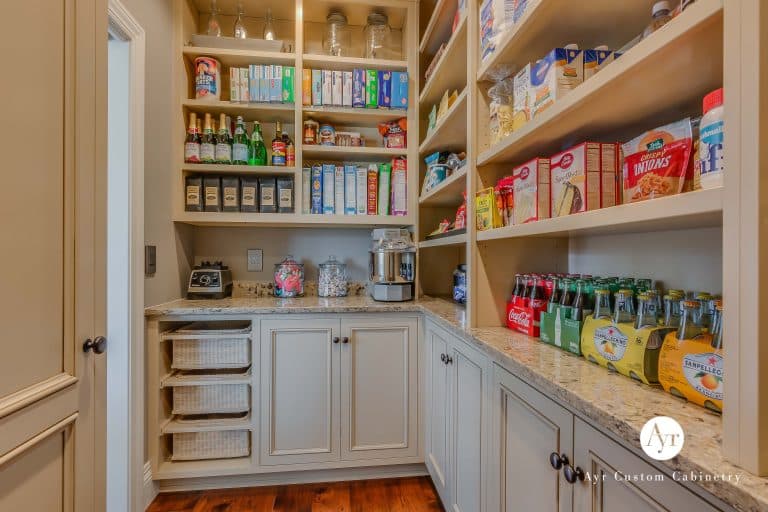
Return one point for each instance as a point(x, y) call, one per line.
point(290, 150)
point(240, 143)
point(602, 303)
point(223, 144)
point(538, 296)
point(717, 326)
point(568, 292)
point(689, 328)
point(208, 142)
point(581, 305)
point(624, 308)
point(554, 298)
point(672, 309)
point(647, 315)
point(192, 143)
point(257, 151)
point(278, 146)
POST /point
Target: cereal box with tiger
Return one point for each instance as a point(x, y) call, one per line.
point(656, 162)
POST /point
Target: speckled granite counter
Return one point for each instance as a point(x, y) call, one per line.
point(611, 402)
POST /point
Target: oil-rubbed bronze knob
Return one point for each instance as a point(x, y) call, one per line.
point(335, 339)
point(442, 357)
point(345, 340)
point(98, 345)
point(571, 474)
point(557, 461)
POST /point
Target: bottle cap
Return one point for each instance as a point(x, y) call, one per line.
point(690, 304)
point(712, 100)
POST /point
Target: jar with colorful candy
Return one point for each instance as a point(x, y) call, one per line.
point(289, 278)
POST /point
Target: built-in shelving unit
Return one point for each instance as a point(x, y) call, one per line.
point(450, 132)
point(448, 192)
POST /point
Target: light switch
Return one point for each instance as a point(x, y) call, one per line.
point(255, 260)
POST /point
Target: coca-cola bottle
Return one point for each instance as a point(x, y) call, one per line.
point(518, 288)
point(537, 299)
point(554, 298)
point(581, 306)
point(528, 285)
point(568, 292)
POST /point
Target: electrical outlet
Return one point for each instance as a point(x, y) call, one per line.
point(255, 260)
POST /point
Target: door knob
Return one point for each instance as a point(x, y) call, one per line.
point(448, 360)
point(571, 474)
point(335, 339)
point(345, 340)
point(98, 345)
point(442, 357)
point(557, 461)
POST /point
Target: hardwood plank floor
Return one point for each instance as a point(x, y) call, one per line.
point(415, 494)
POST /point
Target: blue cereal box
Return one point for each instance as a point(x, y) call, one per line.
point(317, 87)
point(254, 76)
point(399, 97)
point(385, 88)
point(276, 84)
point(316, 205)
point(350, 190)
point(265, 75)
point(338, 187)
point(329, 194)
point(358, 88)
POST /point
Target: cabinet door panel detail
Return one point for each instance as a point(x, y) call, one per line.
point(438, 404)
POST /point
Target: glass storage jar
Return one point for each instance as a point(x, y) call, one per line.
point(336, 38)
point(377, 31)
point(332, 278)
point(289, 278)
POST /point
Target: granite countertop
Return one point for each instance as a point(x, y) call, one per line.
point(607, 400)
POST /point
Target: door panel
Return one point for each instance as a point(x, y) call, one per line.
point(379, 400)
point(607, 464)
point(528, 427)
point(466, 428)
point(438, 403)
point(299, 391)
point(51, 219)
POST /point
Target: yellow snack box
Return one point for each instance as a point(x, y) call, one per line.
point(487, 214)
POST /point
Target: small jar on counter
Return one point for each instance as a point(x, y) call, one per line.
point(460, 284)
point(289, 278)
point(332, 278)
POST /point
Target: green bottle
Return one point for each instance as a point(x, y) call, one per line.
point(257, 151)
point(223, 144)
point(240, 144)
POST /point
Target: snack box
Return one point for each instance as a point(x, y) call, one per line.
point(338, 187)
point(487, 215)
point(372, 189)
point(264, 79)
point(329, 195)
point(557, 328)
point(358, 88)
point(346, 88)
point(399, 90)
point(385, 184)
point(254, 72)
point(316, 205)
point(692, 369)
point(336, 88)
point(243, 81)
point(276, 84)
point(361, 190)
point(399, 203)
point(531, 193)
point(596, 59)
point(350, 189)
point(622, 348)
point(575, 178)
point(327, 87)
point(521, 97)
point(306, 86)
point(317, 87)
point(385, 88)
point(371, 88)
point(554, 76)
point(234, 85)
point(610, 175)
point(289, 81)
point(306, 190)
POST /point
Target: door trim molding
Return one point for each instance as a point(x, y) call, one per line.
point(35, 392)
point(33, 441)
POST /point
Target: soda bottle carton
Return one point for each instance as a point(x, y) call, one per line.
point(557, 328)
point(524, 308)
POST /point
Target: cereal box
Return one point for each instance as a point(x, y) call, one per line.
point(346, 88)
point(329, 194)
point(373, 189)
point(350, 192)
point(399, 90)
point(371, 88)
point(316, 203)
point(595, 60)
point(521, 98)
point(317, 87)
point(575, 177)
point(531, 193)
point(327, 87)
point(338, 187)
point(555, 75)
point(385, 88)
point(361, 190)
point(358, 88)
point(306, 86)
point(399, 186)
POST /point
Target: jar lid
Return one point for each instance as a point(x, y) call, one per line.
point(712, 100)
point(336, 18)
point(332, 262)
point(289, 261)
point(377, 18)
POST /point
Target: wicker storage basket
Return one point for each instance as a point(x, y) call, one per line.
point(221, 444)
point(201, 346)
point(216, 393)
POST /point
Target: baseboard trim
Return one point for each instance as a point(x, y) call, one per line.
point(292, 477)
point(150, 487)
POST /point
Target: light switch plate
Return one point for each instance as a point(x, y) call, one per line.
point(255, 260)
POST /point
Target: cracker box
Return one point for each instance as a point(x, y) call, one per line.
point(276, 84)
point(575, 177)
point(399, 98)
point(346, 88)
point(595, 60)
point(327, 87)
point(399, 186)
point(554, 76)
point(358, 88)
point(329, 194)
point(336, 88)
point(385, 88)
point(371, 88)
point(531, 191)
point(306, 86)
point(521, 97)
point(317, 87)
point(289, 82)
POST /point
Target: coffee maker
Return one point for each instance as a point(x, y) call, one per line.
point(392, 265)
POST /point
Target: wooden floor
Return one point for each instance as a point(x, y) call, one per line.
point(387, 495)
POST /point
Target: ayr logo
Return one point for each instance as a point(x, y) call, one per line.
point(662, 438)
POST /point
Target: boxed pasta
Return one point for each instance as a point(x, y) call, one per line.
point(575, 177)
point(531, 192)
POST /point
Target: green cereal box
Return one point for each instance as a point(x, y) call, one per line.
point(289, 80)
point(371, 88)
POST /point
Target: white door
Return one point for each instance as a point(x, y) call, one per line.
point(379, 388)
point(604, 488)
point(53, 255)
point(466, 427)
point(299, 391)
point(438, 410)
point(527, 429)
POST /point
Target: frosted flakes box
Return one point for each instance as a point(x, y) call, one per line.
point(555, 75)
point(575, 176)
point(531, 193)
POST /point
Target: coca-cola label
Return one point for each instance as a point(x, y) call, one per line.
point(525, 319)
point(704, 373)
point(610, 342)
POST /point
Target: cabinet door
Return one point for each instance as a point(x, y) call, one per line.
point(527, 428)
point(299, 391)
point(379, 388)
point(610, 483)
point(466, 427)
point(437, 413)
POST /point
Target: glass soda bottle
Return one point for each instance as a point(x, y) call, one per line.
point(554, 298)
point(240, 144)
point(705, 309)
point(290, 150)
point(717, 326)
point(538, 296)
point(257, 150)
point(208, 142)
point(624, 306)
point(602, 303)
point(223, 144)
point(647, 314)
point(192, 142)
point(278, 146)
point(689, 328)
point(672, 311)
point(568, 292)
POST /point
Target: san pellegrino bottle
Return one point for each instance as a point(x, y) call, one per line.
point(257, 150)
point(602, 303)
point(192, 143)
point(223, 144)
point(208, 142)
point(240, 144)
point(689, 328)
point(624, 308)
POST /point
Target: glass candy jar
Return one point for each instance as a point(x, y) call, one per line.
point(289, 278)
point(377, 33)
point(332, 278)
point(336, 38)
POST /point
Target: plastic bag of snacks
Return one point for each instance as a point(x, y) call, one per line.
point(500, 108)
point(394, 133)
point(656, 162)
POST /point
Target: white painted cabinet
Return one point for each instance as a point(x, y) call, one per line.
point(339, 389)
point(379, 388)
point(455, 398)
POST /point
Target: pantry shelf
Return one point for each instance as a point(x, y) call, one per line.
point(230, 57)
point(690, 46)
point(459, 239)
point(702, 208)
point(448, 192)
point(439, 26)
point(202, 468)
point(348, 63)
point(290, 220)
point(268, 170)
point(173, 425)
point(352, 116)
point(450, 71)
point(264, 112)
point(554, 23)
point(365, 154)
point(450, 134)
